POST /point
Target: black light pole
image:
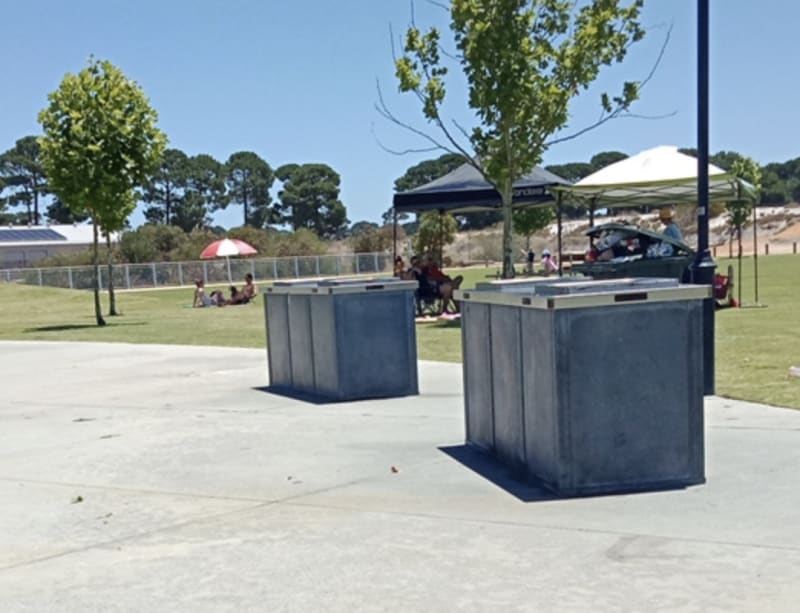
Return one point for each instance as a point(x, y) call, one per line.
point(704, 266)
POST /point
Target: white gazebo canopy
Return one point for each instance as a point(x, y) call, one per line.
point(659, 176)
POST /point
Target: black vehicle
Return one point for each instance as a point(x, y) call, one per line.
point(624, 250)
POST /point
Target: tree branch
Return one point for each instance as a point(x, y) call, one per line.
point(384, 111)
point(618, 112)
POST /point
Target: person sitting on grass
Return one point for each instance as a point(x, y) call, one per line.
point(244, 295)
point(202, 300)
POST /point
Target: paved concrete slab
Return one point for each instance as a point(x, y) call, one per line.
point(162, 478)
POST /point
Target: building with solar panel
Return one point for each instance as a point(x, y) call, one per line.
point(24, 246)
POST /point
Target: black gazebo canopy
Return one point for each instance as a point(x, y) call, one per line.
point(464, 190)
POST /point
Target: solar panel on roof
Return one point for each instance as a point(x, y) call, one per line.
point(9, 235)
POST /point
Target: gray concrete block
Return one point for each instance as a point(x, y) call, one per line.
point(590, 392)
point(344, 339)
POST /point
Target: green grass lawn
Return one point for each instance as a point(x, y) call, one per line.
point(755, 346)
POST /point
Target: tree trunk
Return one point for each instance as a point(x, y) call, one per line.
point(96, 264)
point(112, 301)
point(508, 256)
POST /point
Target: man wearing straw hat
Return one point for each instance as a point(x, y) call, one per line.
point(671, 229)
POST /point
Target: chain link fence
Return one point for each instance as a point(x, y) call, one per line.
point(176, 274)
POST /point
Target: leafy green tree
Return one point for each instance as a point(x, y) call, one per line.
point(204, 191)
point(572, 171)
point(529, 220)
point(23, 177)
point(100, 143)
point(192, 244)
point(310, 199)
point(420, 174)
point(370, 239)
point(739, 211)
point(774, 189)
point(58, 212)
point(249, 179)
point(524, 61)
point(435, 231)
point(361, 226)
point(153, 243)
point(302, 242)
point(427, 171)
point(165, 188)
point(606, 158)
point(262, 239)
point(795, 191)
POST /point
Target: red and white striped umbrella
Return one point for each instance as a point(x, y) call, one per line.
point(227, 247)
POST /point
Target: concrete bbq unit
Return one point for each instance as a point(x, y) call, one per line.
point(341, 340)
point(588, 387)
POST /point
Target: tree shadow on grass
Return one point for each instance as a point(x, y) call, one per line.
point(448, 323)
point(67, 327)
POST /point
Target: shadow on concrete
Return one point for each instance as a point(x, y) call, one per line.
point(288, 392)
point(515, 483)
point(294, 394)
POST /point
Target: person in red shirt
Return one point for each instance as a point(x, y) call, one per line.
point(445, 285)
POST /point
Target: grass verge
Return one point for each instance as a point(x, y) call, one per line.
point(755, 346)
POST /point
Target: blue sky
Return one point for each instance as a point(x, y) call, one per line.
point(296, 81)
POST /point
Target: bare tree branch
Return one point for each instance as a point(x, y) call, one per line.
point(441, 5)
point(403, 151)
point(659, 58)
point(618, 112)
point(461, 129)
point(384, 111)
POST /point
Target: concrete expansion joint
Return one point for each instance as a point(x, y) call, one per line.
point(128, 537)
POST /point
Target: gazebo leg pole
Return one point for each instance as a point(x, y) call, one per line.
point(558, 220)
point(755, 253)
point(394, 236)
point(228, 262)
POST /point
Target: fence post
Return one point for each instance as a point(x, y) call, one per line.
point(296, 268)
point(376, 262)
point(155, 275)
point(205, 272)
point(714, 251)
point(39, 270)
point(180, 273)
point(128, 275)
point(794, 247)
point(358, 268)
point(69, 276)
point(766, 248)
point(274, 269)
point(338, 266)
point(317, 265)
